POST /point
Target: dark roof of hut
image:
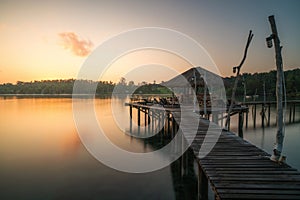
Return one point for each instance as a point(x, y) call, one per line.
point(189, 78)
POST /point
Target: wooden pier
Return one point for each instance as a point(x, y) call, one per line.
point(234, 168)
point(265, 111)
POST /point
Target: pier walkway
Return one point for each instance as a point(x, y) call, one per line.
point(234, 168)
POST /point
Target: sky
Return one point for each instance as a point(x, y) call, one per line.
point(52, 39)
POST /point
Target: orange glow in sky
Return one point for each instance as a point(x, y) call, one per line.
point(51, 40)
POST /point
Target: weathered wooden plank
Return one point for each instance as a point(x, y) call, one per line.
point(274, 168)
point(250, 184)
point(257, 158)
point(256, 191)
point(257, 178)
point(253, 172)
point(259, 196)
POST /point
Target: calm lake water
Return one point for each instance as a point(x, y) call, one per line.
point(42, 157)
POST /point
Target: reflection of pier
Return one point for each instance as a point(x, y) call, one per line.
point(234, 168)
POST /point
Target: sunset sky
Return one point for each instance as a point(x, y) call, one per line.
point(51, 39)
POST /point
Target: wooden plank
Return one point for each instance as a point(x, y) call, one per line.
point(282, 185)
point(259, 196)
point(231, 172)
point(255, 191)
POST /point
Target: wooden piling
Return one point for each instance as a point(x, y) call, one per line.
point(152, 120)
point(202, 184)
point(254, 116)
point(241, 123)
point(130, 120)
point(173, 127)
point(168, 123)
point(290, 117)
point(269, 114)
point(139, 116)
point(247, 113)
point(294, 110)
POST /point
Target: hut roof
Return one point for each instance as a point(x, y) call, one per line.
point(187, 78)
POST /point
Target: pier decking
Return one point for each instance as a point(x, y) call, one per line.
point(234, 168)
point(237, 169)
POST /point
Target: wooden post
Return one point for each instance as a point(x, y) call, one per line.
point(202, 184)
point(254, 116)
point(130, 120)
point(162, 121)
point(228, 124)
point(145, 117)
point(241, 123)
point(130, 111)
point(149, 121)
point(205, 94)
point(238, 68)
point(247, 113)
point(290, 117)
point(168, 123)
point(294, 110)
point(279, 88)
point(263, 107)
point(139, 120)
point(263, 115)
point(269, 113)
point(173, 126)
point(139, 116)
point(152, 120)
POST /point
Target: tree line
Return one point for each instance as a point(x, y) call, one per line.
point(253, 83)
point(56, 87)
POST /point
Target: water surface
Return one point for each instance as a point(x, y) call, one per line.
point(42, 157)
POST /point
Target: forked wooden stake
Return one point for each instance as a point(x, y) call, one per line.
point(237, 70)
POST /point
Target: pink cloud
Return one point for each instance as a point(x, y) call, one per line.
point(77, 45)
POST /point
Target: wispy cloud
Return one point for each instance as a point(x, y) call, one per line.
point(77, 45)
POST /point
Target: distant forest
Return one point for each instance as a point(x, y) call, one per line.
point(253, 84)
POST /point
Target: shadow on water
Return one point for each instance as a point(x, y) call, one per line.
point(184, 177)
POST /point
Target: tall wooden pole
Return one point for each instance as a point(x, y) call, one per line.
point(279, 92)
point(205, 93)
point(237, 69)
point(195, 95)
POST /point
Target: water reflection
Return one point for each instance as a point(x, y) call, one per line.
point(71, 144)
point(42, 157)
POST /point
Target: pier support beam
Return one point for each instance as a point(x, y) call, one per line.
point(130, 120)
point(294, 110)
point(247, 114)
point(254, 116)
point(241, 123)
point(269, 114)
point(139, 116)
point(202, 184)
